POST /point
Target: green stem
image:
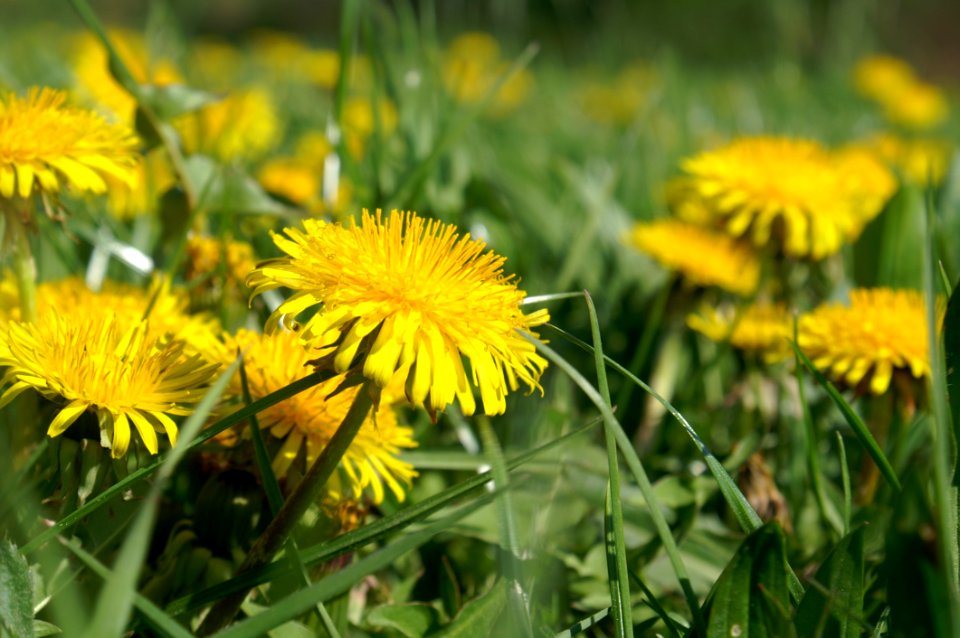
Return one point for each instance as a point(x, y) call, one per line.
point(306, 494)
point(24, 266)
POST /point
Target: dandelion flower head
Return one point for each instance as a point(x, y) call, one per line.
point(880, 333)
point(245, 124)
point(45, 144)
point(761, 328)
point(472, 66)
point(702, 256)
point(308, 420)
point(794, 194)
point(410, 299)
point(120, 371)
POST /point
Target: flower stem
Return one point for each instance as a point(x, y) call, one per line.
point(306, 494)
point(24, 267)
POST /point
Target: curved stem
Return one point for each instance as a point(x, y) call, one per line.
point(306, 493)
point(24, 266)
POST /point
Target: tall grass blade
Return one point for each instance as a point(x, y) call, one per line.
point(853, 420)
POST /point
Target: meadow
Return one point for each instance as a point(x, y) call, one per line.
point(593, 321)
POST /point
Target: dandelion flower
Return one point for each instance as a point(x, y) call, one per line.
point(116, 370)
point(45, 143)
point(96, 83)
point(880, 333)
point(919, 160)
point(880, 76)
point(411, 299)
point(472, 66)
point(919, 106)
point(309, 419)
point(205, 254)
point(702, 256)
point(761, 328)
point(292, 179)
point(245, 124)
point(791, 193)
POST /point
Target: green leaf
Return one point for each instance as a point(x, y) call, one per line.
point(412, 620)
point(951, 347)
point(853, 419)
point(834, 608)
point(582, 625)
point(229, 189)
point(16, 593)
point(479, 617)
point(42, 628)
point(751, 599)
point(171, 100)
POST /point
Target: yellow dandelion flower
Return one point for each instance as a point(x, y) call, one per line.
point(919, 161)
point(793, 193)
point(880, 333)
point(127, 303)
point(409, 299)
point(106, 366)
point(322, 67)
point(702, 256)
point(472, 66)
point(243, 125)
point(205, 254)
point(360, 122)
point(762, 328)
point(308, 420)
point(619, 101)
point(879, 76)
point(919, 105)
point(293, 180)
point(45, 143)
point(95, 82)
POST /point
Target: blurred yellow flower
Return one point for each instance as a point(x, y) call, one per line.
point(919, 106)
point(761, 328)
point(793, 194)
point(306, 421)
point(215, 63)
point(410, 301)
point(905, 99)
point(360, 121)
point(120, 371)
point(292, 179)
point(45, 143)
point(619, 101)
point(244, 125)
point(880, 333)
point(472, 66)
point(96, 83)
point(205, 254)
point(702, 256)
point(880, 76)
point(919, 160)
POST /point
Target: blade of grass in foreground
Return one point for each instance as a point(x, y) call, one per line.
point(853, 419)
point(510, 558)
point(359, 538)
point(613, 515)
point(339, 582)
point(745, 514)
point(639, 473)
point(126, 483)
point(945, 494)
point(112, 611)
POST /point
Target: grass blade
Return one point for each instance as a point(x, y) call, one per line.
point(158, 619)
point(124, 484)
point(613, 516)
point(343, 580)
point(361, 537)
point(853, 419)
point(115, 602)
point(639, 473)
